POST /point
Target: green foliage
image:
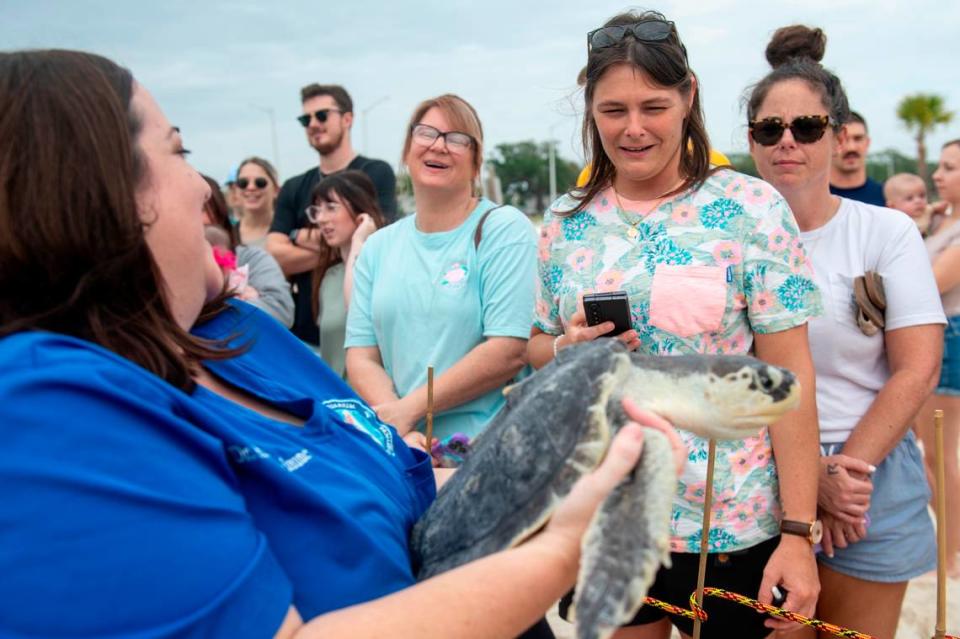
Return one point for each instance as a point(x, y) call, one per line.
point(523, 169)
point(921, 113)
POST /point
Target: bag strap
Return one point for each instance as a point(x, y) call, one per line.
point(478, 233)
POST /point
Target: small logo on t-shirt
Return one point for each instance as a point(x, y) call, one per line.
point(454, 276)
point(357, 414)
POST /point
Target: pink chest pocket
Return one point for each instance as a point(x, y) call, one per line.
point(687, 300)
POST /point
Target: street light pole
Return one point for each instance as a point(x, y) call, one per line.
point(363, 116)
point(553, 169)
point(552, 160)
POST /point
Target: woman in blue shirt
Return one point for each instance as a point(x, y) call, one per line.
point(176, 464)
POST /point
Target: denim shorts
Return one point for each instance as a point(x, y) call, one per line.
point(950, 370)
point(900, 542)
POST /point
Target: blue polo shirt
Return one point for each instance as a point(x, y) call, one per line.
point(131, 508)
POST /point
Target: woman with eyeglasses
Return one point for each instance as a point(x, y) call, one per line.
point(450, 287)
point(876, 348)
point(258, 184)
point(708, 261)
point(249, 272)
point(344, 214)
point(158, 435)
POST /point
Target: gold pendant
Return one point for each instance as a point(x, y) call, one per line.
point(632, 233)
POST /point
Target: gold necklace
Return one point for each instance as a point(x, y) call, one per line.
point(632, 232)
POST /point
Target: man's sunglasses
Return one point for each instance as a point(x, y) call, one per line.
point(258, 183)
point(647, 31)
point(806, 129)
point(320, 115)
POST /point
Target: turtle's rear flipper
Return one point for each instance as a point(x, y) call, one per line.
point(627, 541)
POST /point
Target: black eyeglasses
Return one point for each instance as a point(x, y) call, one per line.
point(456, 141)
point(258, 183)
point(806, 129)
point(646, 31)
point(321, 116)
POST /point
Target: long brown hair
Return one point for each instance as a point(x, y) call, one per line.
point(73, 258)
point(358, 194)
point(665, 63)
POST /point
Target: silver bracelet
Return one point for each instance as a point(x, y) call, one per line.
point(556, 341)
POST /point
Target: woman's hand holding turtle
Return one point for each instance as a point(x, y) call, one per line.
point(570, 521)
point(845, 488)
point(576, 331)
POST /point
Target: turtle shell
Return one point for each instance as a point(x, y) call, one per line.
point(552, 430)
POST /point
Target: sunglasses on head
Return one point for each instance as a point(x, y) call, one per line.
point(320, 115)
point(259, 183)
point(647, 31)
point(806, 129)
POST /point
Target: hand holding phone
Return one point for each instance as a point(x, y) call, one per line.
point(608, 307)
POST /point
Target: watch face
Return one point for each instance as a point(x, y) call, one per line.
point(816, 532)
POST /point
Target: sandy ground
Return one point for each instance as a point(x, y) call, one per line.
point(916, 622)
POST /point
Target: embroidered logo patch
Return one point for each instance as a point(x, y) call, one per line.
point(357, 414)
point(455, 276)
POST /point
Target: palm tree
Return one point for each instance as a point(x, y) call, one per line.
point(922, 112)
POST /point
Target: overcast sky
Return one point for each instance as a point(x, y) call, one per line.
point(218, 68)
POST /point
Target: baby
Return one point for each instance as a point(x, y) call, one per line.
point(906, 192)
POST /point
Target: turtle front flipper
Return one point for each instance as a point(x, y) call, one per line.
point(627, 541)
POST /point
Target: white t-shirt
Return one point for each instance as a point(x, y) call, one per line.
point(851, 367)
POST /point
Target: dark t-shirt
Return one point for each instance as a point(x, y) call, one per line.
point(289, 214)
point(870, 192)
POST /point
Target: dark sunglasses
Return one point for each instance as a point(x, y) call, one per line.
point(321, 116)
point(259, 183)
point(806, 129)
point(647, 31)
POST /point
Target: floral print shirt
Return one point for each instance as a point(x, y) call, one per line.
point(704, 271)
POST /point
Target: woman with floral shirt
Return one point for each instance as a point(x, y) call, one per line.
point(712, 263)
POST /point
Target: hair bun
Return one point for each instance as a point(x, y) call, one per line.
point(796, 41)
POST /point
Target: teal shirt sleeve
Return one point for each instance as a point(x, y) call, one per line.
point(360, 329)
point(508, 263)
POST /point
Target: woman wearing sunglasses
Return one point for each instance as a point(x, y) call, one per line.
point(250, 273)
point(258, 185)
point(876, 359)
point(344, 213)
point(706, 257)
point(450, 287)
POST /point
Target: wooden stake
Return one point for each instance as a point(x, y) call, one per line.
point(941, 627)
point(705, 533)
point(429, 429)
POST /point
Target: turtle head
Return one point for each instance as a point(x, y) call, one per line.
point(719, 397)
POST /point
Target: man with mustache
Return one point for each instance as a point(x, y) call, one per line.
point(327, 120)
point(848, 175)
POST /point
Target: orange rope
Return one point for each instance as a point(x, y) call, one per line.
point(696, 612)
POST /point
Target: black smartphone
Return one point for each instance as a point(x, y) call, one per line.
point(608, 307)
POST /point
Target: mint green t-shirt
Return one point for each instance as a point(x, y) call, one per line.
point(332, 319)
point(430, 298)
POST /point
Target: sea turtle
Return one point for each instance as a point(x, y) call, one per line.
point(555, 427)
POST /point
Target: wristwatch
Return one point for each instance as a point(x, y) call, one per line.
point(293, 236)
point(811, 530)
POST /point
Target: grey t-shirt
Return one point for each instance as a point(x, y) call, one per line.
point(267, 278)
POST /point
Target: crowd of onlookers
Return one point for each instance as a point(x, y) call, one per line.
point(160, 427)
